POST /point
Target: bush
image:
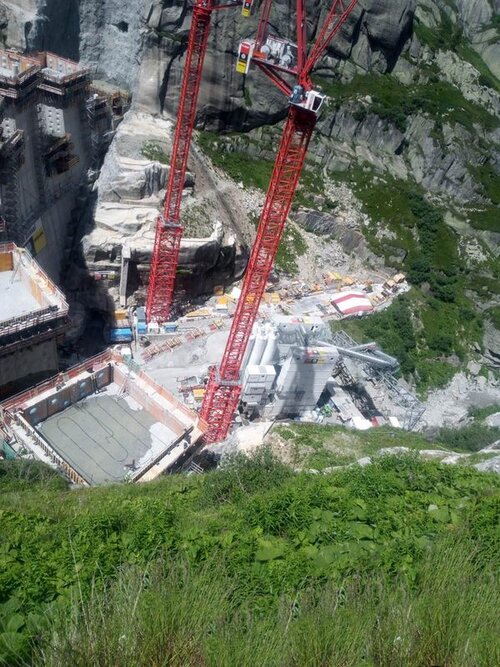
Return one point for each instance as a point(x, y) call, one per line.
point(23, 474)
point(468, 438)
point(178, 615)
point(152, 150)
point(216, 569)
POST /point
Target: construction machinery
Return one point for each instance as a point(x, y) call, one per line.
point(168, 225)
point(282, 61)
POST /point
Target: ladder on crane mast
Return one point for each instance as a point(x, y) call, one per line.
point(278, 59)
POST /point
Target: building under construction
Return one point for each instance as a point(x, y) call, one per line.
point(100, 422)
point(53, 129)
point(33, 318)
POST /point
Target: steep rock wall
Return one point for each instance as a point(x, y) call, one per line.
point(372, 38)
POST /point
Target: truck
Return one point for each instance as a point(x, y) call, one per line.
point(120, 330)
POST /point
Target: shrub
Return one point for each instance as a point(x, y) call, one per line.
point(468, 438)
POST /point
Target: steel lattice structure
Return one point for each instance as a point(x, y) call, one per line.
point(223, 389)
point(168, 227)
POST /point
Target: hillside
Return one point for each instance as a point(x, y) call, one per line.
point(404, 174)
point(388, 564)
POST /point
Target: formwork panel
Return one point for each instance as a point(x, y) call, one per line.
point(36, 413)
point(103, 377)
point(55, 404)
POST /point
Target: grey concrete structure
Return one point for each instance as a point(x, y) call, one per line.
point(33, 316)
point(52, 125)
point(103, 438)
point(17, 299)
point(100, 422)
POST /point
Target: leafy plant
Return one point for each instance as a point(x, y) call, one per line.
point(152, 150)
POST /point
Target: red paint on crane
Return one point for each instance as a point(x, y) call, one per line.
point(168, 228)
point(223, 389)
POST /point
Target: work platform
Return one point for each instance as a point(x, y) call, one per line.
point(17, 298)
point(103, 421)
point(30, 302)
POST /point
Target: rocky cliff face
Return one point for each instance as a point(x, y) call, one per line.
point(430, 48)
point(414, 107)
point(107, 35)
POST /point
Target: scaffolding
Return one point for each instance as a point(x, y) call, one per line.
point(413, 409)
point(11, 158)
point(58, 157)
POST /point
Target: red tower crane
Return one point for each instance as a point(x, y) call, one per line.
point(277, 58)
point(168, 226)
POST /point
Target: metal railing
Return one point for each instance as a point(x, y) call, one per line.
point(19, 400)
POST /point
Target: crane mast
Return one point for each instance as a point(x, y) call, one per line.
point(169, 230)
point(224, 388)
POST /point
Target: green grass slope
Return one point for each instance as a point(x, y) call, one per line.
point(392, 564)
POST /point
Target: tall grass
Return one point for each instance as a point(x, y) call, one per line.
point(175, 615)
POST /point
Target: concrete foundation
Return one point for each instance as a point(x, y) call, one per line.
point(104, 437)
point(103, 422)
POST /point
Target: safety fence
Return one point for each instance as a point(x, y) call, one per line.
point(176, 404)
point(102, 369)
point(157, 459)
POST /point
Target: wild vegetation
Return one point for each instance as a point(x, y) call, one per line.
point(433, 329)
point(241, 167)
point(395, 102)
point(253, 564)
point(438, 318)
point(319, 447)
point(152, 150)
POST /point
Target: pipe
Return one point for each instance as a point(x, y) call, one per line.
point(382, 361)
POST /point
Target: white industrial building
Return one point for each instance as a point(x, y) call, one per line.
point(290, 362)
point(352, 303)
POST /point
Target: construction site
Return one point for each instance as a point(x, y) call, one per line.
point(100, 422)
point(252, 352)
point(33, 319)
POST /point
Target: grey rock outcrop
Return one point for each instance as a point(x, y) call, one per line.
point(372, 37)
point(129, 195)
point(106, 35)
point(16, 20)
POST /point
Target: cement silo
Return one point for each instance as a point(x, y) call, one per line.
point(250, 346)
point(302, 379)
point(259, 346)
point(271, 353)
